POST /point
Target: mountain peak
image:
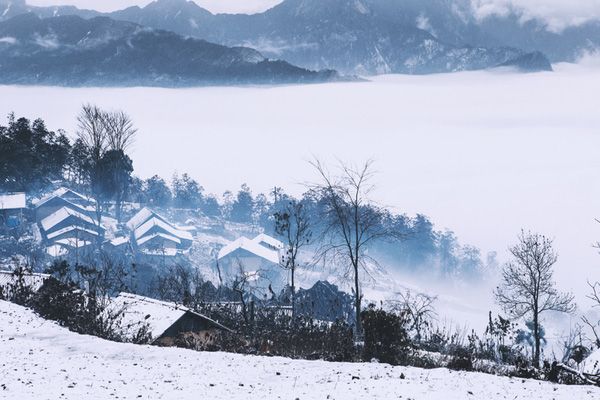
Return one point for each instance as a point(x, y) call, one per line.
point(180, 5)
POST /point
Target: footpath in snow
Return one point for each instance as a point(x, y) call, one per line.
point(40, 360)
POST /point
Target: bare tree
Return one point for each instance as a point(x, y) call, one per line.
point(527, 287)
point(120, 130)
point(293, 224)
point(91, 129)
point(92, 132)
point(106, 136)
point(420, 310)
point(352, 222)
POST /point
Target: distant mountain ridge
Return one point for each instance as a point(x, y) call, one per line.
point(352, 36)
point(73, 51)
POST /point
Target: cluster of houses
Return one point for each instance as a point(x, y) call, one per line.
point(68, 222)
point(65, 222)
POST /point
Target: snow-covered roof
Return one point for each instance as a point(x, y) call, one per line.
point(164, 236)
point(66, 203)
point(63, 213)
point(269, 240)
point(251, 246)
point(152, 222)
point(141, 217)
point(159, 315)
point(71, 228)
point(63, 192)
point(12, 201)
point(33, 280)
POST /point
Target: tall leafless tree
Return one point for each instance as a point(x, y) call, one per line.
point(92, 130)
point(352, 222)
point(294, 226)
point(102, 131)
point(527, 287)
point(120, 130)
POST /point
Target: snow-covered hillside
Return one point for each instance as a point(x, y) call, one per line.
point(41, 360)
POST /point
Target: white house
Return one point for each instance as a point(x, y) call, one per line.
point(52, 203)
point(154, 235)
point(67, 194)
point(12, 201)
point(259, 259)
point(69, 228)
point(11, 209)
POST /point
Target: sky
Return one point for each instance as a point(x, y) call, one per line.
point(558, 13)
point(484, 154)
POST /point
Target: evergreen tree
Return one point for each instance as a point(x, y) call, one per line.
point(112, 177)
point(243, 206)
point(156, 192)
point(30, 155)
point(187, 193)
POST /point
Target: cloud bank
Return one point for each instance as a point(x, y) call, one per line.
point(558, 14)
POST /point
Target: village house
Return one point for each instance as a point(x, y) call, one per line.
point(67, 222)
point(68, 229)
point(70, 195)
point(258, 260)
point(163, 320)
point(154, 235)
point(11, 209)
point(51, 204)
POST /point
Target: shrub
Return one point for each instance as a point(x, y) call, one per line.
point(73, 309)
point(385, 336)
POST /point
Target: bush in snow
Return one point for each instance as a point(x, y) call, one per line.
point(385, 336)
point(60, 299)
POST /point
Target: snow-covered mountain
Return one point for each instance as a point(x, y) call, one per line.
point(351, 36)
point(44, 360)
point(70, 50)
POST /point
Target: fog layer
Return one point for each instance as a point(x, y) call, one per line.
point(482, 153)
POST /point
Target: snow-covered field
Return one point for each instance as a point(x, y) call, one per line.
point(41, 360)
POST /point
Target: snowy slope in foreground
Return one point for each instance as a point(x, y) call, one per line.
point(41, 360)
